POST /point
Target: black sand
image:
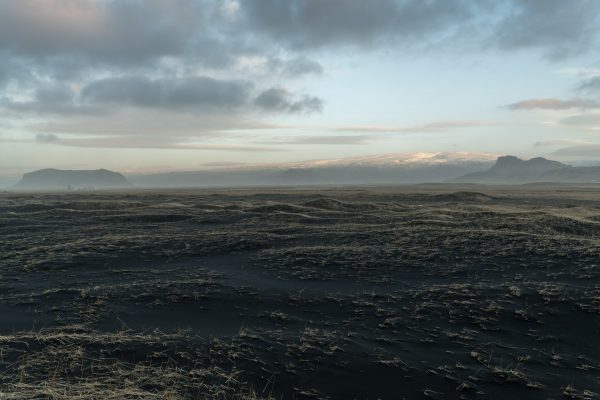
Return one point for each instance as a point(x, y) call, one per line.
point(411, 292)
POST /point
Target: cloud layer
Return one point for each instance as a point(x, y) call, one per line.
point(128, 41)
point(232, 64)
point(553, 104)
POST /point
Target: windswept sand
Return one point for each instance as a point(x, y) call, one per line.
point(426, 291)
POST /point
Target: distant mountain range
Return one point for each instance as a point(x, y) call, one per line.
point(334, 175)
point(379, 169)
point(56, 179)
point(511, 169)
point(375, 170)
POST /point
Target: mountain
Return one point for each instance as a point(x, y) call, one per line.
point(56, 179)
point(533, 165)
point(375, 170)
point(511, 169)
point(402, 159)
point(379, 169)
point(333, 175)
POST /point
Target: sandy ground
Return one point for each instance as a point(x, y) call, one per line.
point(429, 291)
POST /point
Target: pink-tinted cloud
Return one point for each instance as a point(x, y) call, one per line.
point(430, 127)
point(553, 104)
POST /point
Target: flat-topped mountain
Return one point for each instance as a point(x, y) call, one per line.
point(511, 169)
point(57, 179)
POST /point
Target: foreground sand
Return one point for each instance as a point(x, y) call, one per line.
point(407, 292)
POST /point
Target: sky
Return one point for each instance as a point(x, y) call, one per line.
point(147, 86)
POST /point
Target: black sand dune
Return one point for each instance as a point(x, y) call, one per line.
point(428, 292)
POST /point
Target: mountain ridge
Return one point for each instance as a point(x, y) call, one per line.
point(510, 169)
point(383, 169)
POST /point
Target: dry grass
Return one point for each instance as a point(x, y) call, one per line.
point(77, 363)
point(370, 293)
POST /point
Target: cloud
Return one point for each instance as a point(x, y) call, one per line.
point(325, 140)
point(309, 24)
point(289, 68)
point(558, 142)
point(155, 142)
point(430, 127)
point(68, 37)
point(591, 85)
point(74, 61)
point(12, 71)
point(296, 67)
point(553, 104)
point(225, 164)
point(46, 138)
point(559, 28)
point(51, 99)
point(580, 72)
point(335, 140)
point(280, 99)
point(193, 92)
point(125, 32)
point(582, 120)
point(140, 122)
point(190, 94)
point(587, 150)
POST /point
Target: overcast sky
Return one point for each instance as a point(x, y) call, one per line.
point(186, 84)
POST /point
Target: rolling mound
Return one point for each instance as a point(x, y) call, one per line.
point(463, 196)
